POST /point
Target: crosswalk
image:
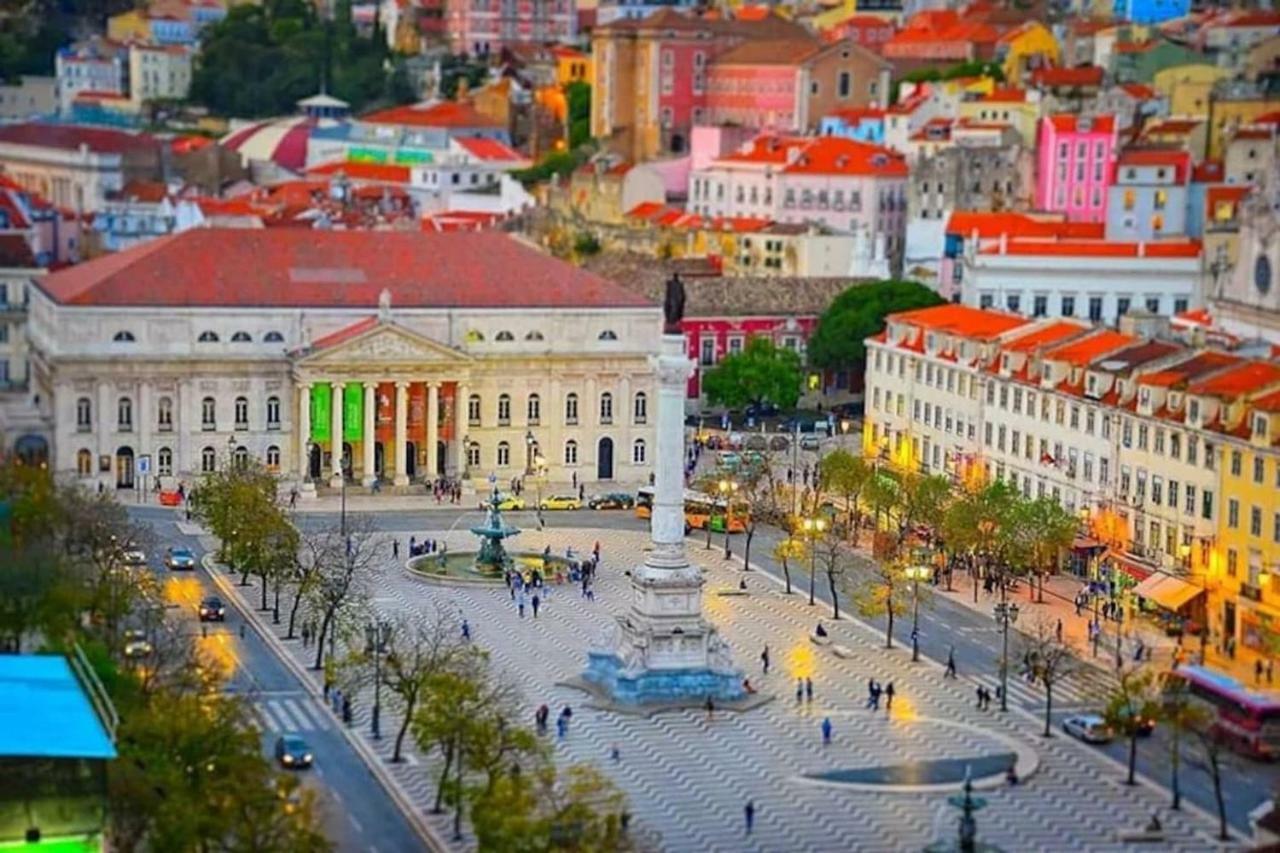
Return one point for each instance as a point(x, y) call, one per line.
point(292, 714)
point(1087, 689)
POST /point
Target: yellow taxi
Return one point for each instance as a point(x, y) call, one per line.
point(505, 503)
point(561, 502)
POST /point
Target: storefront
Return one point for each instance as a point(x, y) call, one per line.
point(1259, 626)
point(1174, 604)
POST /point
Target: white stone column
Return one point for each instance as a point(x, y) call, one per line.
point(402, 433)
point(103, 423)
point(433, 427)
point(303, 432)
point(335, 435)
point(462, 419)
point(182, 421)
point(672, 368)
point(367, 442)
point(143, 416)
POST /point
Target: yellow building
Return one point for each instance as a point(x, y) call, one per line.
point(1018, 108)
point(1188, 87)
point(129, 26)
point(1249, 532)
point(1026, 48)
point(1234, 103)
point(572, 66)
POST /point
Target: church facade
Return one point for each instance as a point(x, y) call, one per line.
point(388, 357)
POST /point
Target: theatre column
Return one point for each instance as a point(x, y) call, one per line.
point(303, 437)
point(462, 426)
point(367, 439)
point(335, 435)
point(402, 433)
point(433, 429)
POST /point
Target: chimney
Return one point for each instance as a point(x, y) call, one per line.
point(1142, 249)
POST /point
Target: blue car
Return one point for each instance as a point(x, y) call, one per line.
point(176, 559)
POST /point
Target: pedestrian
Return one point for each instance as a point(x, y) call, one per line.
point(951, 663)
point(826, 731)
point(520, 604)
point(540, 719)
point(1257, 671)
point(749, 812)
point(582, 492)
point(764, 659)
point(395, 549)
point(413, 545)
point(535, 601)
point(888, 697)
point(293, 498)
point(337, 699)
point(562, 727)
point(980, 692)
point(575, 479)
point(808, 690)
point(615, 753)
point(466, 631)
point(346, 710)
point(871, 691)
point(306, 636)
point(799, 690)
point(1059, 631)
point(711, 709)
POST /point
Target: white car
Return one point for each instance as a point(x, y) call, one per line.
point(136, 644)
point(135, 557)
point(1089, 728)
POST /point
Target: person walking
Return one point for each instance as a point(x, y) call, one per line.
point(1257, 671)
point(826, 731)
point(1058, 632)
point(749, 812)
point(520, 604)
point(466, 631)
point(562, 727)
point(711, 709)
point(799, 690)
point(540, 718)
point(980, 691)
point(535, 601)
point(888, 697)
point(808, 690)
point(395, 549)
point(764, 659)
point(950, 671)
point(575, 479)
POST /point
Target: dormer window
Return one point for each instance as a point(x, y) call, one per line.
point(504, 337)
point(1046, 371)
point(1144, 396)
point(931, 342)
point(1260, 426)
point(1005, 366)
point(1092, 383)
point(1175, 401)
point(1193, 411)
point(123, 337)
point(241, 338)
point(208, 338)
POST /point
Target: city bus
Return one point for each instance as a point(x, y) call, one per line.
point(1247, 720)
point(699, 510)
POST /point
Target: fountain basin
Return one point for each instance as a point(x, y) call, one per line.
point(460, 567)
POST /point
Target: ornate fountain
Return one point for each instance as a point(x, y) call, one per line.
point(492, 558)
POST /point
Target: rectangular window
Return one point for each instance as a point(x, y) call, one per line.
point(1040, 306)
point(1068, 306)
point(1255, 521)
point(707, 355)
point(1259, 469)
point(1095, 309)
point(845, 85)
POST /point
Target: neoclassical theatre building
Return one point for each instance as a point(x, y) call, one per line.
point(394, 356)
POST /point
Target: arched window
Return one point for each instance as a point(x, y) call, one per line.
point(208, 460)
point(475, 336)
point(273, 413)
point(273, 338)
point(608, 335)
point(571, 408)
point(504, 454)
point(124, 337)
point(640, 408)
point(638, 451)
point(273, 458)
point(124, 414)
point(535, 335)
point(164, 414)
point(208, 337)
point(84, 414)
point(534, 410)
point(241, 457)
point(571, 452)
point(473, 410)
point(242, 413)
point(504, 336)
point(504, 410)
point(84, 462)
point(606, 408)
point(473, 453)
point(164, 462)
point(208, 414)
point(241, 338)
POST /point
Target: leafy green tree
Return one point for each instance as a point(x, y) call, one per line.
point(417, 652)
point(456, 69)
point(884, 591)
point(1044, 530)
point(761, 373)
point(1132, 701)
point(578, 103)
point(546, 809)
point(586, 244)
point(838, 342)
point(847, 475)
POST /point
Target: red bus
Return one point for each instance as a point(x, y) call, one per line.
point(1247, 720)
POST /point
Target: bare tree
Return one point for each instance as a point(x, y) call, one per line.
point(833, 558)
point(787, 550)
point(1213, 750)
point(340, 571)
point(417, 651)
point(1049, 660)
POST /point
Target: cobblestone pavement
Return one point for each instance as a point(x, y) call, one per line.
point(689, 777)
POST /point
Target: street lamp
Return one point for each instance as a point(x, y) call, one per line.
point(529, 442)
point(231, 450)
point(728, 488)
point(376, 636)
point(813, 528)
point(466, 457)
point(1006, 613)
point(915, 574)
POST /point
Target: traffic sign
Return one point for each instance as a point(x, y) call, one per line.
point(143, 464)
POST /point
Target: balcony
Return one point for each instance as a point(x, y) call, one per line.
point(1251, 592)
point(13, 310)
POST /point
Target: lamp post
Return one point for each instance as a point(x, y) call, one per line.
point(231, 450)
point(529, 442)
point(728, 488)
point(1006, 613)
point(376, 636)
point(915, 574)
point(466, 457)
point(813, 527)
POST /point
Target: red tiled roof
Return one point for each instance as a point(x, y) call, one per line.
point(70, 137)
point(739, 224)
point(961, 320)
point(1180, 126)
point(1177, 159)
point(1005, 96)
point(359, 171)
point(1141, 91)
point(1083, 75)
point(1069, 123)
point(1135, 46)
point(1085, 350)
point(1268, 403)
point(1225, 194)
point(15, 252)
point(442, 114)
point(1052, 333)
point(645, 210)
point(1198, 365)
point(143, 191)
point(989, 224)
point(489, 149)
point(296, 268)
point(1098, 249)
point(834, 155)
point(1249, 376)
point(857, 114)
point(1207, 172)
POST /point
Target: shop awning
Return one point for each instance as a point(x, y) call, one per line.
point(1167, 591)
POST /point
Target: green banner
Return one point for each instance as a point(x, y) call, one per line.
point(321, 412)
point(352, 412)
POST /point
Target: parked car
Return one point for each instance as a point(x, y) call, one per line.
point(1146, 725)
point(505, 503)
point(293, 752)
point(612, 500)
point(756, 442)
point(779, 442)
point(809, 441)
point(212, 609)
point(136, 644)
point(1089, 728)
point(561, 502)
point(134, 557)
point(179, 558)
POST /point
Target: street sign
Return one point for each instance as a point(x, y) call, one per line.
point(143, 464)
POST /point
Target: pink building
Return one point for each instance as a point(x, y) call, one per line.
point(1074, 170)
point(479, 27)
point(711, 338)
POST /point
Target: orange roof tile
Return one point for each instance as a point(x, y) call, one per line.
point(380, 172)
point(1005, 96)
point(645, 210)
point(1268, 403)
point(1083, 75)
point(1069, 123)
point(1053, 333)
point(442, 114)
point(1097, 249)
point(1237, 380)
point(1141, 91)
point(1085, 350)
point(961, 320)
point(990, 224)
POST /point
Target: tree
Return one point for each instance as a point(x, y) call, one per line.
point(838, 342)
point(1132, 703)
point(578, 112)
point(1050, 661)
point(1213, 749)
point(1043, 529)
point(979, 522)
point(833, 558)
point(758, 494)
point(761, 373)
point(338, 582)
point(919, 500)
point(1182, 717)
point(546, 809)
point(785, 551)
point(846, 475)
point(417, 652)
point(883, 592)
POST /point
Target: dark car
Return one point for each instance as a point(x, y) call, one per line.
point(612, 500)
point(293, 753)
point(212, 610)
point(179, 558)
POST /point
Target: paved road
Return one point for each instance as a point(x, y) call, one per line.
point(943, 623)
point(357, 813)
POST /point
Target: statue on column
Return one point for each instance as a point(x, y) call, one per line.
point(673, 304)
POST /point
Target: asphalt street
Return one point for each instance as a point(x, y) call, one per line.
point(357, 813)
